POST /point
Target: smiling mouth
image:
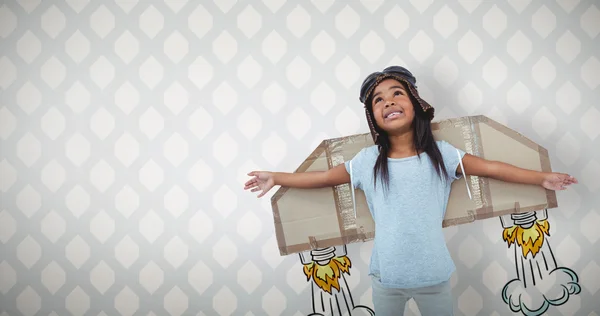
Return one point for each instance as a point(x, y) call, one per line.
point(393, 114)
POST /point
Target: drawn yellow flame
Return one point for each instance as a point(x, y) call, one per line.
point(529, 239)
point(327, 276)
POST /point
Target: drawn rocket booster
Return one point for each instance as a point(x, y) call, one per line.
point(539, 282)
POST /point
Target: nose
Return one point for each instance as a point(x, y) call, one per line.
point(389, 103)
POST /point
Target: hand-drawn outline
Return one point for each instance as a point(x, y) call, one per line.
point(539, 283)
point(331, 294)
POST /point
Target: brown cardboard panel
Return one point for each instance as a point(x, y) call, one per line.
point(306, 219)
point(460, 209)
point(505, 196)
point(308, 212)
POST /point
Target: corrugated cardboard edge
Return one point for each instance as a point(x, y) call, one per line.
point(336, 200)
point(354, 234)
point(486, 209)
point(330, 242)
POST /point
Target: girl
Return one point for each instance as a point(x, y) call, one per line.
point(406, 177)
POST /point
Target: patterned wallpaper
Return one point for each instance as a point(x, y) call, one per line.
point(127, 129)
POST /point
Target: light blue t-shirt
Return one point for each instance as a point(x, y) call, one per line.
point(409, 249)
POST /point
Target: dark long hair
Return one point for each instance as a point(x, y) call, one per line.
point(423, 141)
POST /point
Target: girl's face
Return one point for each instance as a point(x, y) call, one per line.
point(392, 108)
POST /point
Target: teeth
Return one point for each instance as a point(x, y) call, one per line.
point(392, 114)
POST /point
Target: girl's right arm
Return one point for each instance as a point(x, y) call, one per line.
point(265, 180)
point(313, 179)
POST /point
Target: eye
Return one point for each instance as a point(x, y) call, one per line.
point(377, 99)
point(398, 92)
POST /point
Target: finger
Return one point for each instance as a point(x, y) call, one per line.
point(261, 194)
point(572, 179)
point(251, 181)
point(251, 185)
point(255, 189)
point(253, 173)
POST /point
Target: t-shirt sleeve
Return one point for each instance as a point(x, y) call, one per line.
point(451, 158)
point(355, 167)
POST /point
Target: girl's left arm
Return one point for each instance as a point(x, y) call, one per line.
point(477, 166)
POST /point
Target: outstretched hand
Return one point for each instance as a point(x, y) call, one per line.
point(557, 181)
point(262, 180)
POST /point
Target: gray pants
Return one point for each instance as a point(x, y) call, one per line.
point(435, 300)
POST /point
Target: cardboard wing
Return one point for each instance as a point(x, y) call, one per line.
point(307, 219)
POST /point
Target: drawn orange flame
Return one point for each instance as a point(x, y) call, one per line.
point(328, 275)
point(529, 239)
